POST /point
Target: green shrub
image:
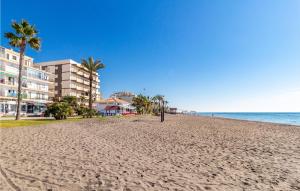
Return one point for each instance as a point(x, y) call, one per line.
point(80, 110)
point(71, 100)
point(89, 113)
point(59, 110)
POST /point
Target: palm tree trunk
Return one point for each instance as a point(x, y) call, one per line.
point(162, 112)
point(90, 94)
point(22, 50)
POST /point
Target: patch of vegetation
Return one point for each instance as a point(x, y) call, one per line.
point(59, 110)
point(149, 105)
point(69, 107)
point(31, 122)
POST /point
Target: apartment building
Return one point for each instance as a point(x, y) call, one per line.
point(72, 79)
point(35, 85)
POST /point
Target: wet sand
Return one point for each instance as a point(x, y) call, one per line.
point(140, 153)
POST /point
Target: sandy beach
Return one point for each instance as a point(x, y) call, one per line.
point(140, 153)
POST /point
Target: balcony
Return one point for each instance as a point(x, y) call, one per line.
point(74, 70)
point(73, 86)
point(79, 80)
point(11, 83)
point(73, 78)
point(11, 95)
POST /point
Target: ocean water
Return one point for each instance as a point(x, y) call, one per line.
point(284, 118)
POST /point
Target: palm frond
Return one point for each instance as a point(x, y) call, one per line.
point(29, 31)
point(10, 35)
point(24, 23)
point(14, 40)
point(91, 65)
point(85, 64)
point(99, 66)
point(91, 60)
point(35, 43)
point(17, 27)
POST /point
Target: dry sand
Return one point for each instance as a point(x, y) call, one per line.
point(140, 153)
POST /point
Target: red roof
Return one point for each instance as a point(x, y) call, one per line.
point(107, 108)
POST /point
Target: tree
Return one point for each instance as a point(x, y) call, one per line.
point(143, 104)
point(92, 66)
point(71, 100)
point(59, 110)
point(157, 101)
point(82, 100)
point(24, 34)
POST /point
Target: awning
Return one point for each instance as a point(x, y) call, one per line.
point(109, 108)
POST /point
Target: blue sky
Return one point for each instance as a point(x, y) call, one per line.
point(202, 55)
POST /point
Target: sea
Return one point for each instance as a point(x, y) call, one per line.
point(283, 118)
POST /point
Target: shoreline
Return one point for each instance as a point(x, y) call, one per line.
point(224, 117)
point(245, 120)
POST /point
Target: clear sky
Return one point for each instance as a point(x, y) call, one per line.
point(202, 55)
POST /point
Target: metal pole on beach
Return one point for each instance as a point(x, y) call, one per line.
point(162, 112)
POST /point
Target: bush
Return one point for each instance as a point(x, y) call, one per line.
point(80, 110)
point(59, 110)
point(89, 113)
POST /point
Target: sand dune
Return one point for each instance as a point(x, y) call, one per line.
point(140, 153)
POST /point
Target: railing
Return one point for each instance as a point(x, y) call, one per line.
point(73, 78)
point(79, 80)
point(73, 86)
point(11, 95)
point(11, 83)
point(73, 70)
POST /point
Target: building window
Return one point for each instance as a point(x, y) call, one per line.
point(11, 81)
point(14, 57)
point(23, 108)
point(7, 56)
point(2, 52)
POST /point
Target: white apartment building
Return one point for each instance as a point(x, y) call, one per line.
point(35, 85)
point(72, 79)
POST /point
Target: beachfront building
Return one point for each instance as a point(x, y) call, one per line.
point(72, 79)
point(123, 95)
point(172, 110)
point(114, 106)
point(35, 85)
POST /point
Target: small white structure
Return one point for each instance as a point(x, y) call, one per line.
point(114, 106)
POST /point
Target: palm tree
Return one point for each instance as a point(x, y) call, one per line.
point(92, 66)
point(24, 34)
point(156, 103)
point(143, 104)
point(82, 100)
